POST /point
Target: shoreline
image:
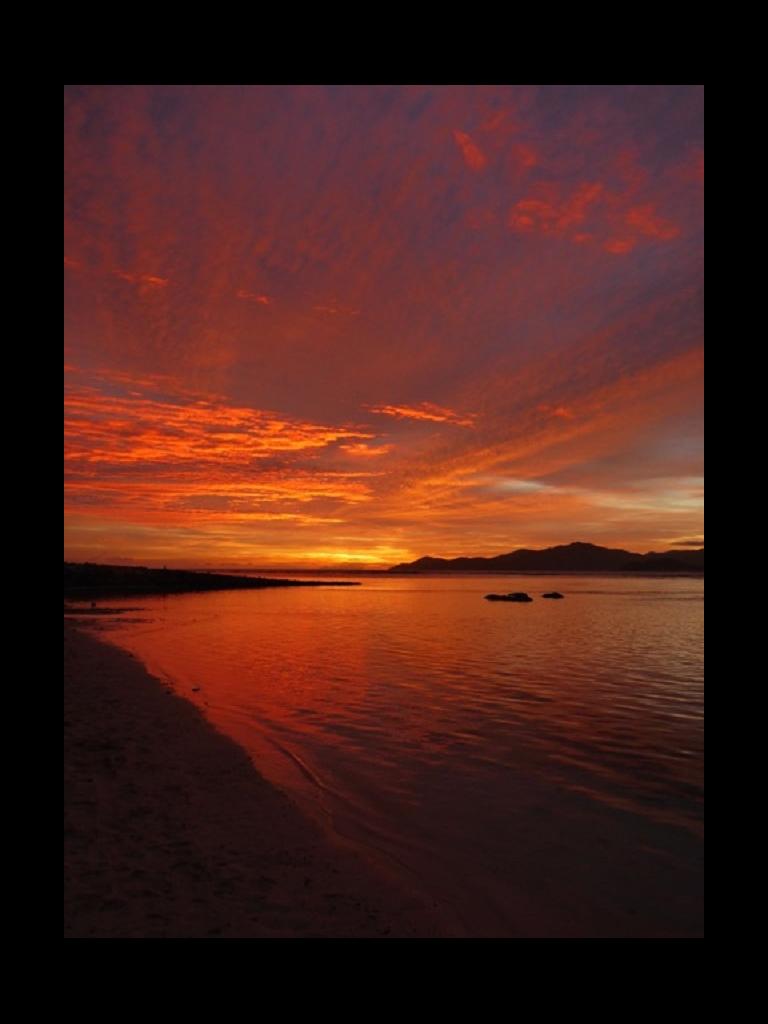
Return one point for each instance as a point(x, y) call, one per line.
point(171, 832)
point(85, 580)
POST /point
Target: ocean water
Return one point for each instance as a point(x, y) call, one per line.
point(532, 770)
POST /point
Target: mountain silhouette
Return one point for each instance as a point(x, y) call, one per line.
point(575, 557)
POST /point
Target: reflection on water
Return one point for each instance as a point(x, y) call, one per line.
point(536, 767)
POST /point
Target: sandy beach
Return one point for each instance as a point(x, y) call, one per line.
point(170, 832)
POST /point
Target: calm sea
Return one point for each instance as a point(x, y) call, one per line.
point(532, 769)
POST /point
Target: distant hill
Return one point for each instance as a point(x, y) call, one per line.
point(576, 557)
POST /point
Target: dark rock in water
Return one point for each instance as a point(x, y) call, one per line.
point(508, 597)
point(553, 594)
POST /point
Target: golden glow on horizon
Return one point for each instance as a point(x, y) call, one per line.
point(206, 478)
point(380, 556)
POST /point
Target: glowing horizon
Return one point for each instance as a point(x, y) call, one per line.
point(319, 326)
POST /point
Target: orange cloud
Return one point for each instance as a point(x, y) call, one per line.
point(367, 449)
point(148, 450)
point(598, 421)
point(216, 497)
point(135, 428)
point(424, 411)
point(473, 155)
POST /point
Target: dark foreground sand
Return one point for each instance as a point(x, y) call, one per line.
point(171, 833)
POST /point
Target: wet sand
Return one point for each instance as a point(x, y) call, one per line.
point(170, 832)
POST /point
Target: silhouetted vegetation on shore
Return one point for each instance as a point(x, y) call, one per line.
point(87, 579)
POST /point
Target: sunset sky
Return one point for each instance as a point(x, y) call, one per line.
point(354, 325)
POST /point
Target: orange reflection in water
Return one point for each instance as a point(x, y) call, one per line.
point(537, 765)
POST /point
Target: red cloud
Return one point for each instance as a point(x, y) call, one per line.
point(146, 282)
point(532, 215)
point(253, 297)
point(502, 121)
point(334, 310)
point(620, 245)
point(548, 216)
point(645, 220)
point(575, 209)
point(562, 411)
point(473, 156)
point(525, 156)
